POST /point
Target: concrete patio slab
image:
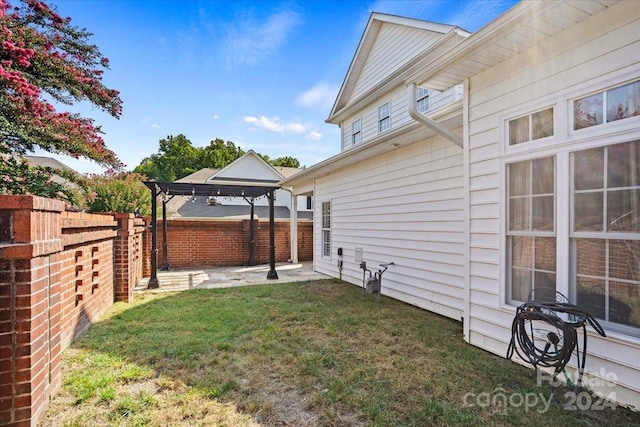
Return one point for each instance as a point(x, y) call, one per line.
point(228, 277)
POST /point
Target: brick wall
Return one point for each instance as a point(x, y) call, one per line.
point(57, 276)
point(199, 243)
point(60, 271)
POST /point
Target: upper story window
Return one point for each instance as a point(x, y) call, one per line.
point(422, 95)
point(384, 117)
point(531, 127)
point(608, 106)
point(356, 132)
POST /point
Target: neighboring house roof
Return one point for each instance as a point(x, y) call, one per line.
point(249, 168)
point(200, 176)
point(50, 162)
point(185, 207)
point(47, 162)
point(286, 172)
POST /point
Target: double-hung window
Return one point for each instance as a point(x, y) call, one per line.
point(531, 239)
point(422, 96)
point(573, 214)
point(356, 132)
point(605, 234)
point(384, 117)
point(326, 229)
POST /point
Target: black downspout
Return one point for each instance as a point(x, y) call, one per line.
point(153, 281)
point(272, 274)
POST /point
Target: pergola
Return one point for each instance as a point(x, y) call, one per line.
point(229, 187)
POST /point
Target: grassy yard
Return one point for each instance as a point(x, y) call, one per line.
point(301, 354)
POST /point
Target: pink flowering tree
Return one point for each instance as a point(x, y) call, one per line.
point(44, 60)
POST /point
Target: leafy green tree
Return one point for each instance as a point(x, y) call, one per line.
point(42, 54)
point(286, 161)
point(176, 158)
point(122, 193)
point(219, 154)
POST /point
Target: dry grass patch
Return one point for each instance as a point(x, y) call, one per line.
point(301, 354)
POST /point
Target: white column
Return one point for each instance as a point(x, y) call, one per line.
point(293, 221)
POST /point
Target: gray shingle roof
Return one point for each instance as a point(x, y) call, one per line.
point(183, 207)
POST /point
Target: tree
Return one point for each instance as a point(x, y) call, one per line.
point(286, 161)
point(219, 154)
point(43, 56)
point(123, 192)
point(176, 158)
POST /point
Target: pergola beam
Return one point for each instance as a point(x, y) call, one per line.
point(224, 187)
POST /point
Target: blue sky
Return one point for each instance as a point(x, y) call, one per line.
point(263, 74)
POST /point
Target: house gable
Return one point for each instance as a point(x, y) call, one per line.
point(378, 58)
point(249, 167)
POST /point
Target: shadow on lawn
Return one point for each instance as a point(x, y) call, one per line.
point(308, 353)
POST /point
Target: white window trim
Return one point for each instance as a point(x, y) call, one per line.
point(353, 134)
point(427, 96)
point(388, 102)
point(322, 229)
point(535, 144)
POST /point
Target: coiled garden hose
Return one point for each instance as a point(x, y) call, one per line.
point(553, 339)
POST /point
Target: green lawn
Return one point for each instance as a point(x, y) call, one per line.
point(300, 354)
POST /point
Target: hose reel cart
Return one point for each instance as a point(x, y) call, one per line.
point(544, 333)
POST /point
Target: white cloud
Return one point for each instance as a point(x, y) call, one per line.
point(321, 95)
point(275, 124)
point(314, 135)
point(250, 41)
point(215, 116)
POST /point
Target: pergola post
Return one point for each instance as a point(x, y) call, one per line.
point(153, 281)
point(272, 274)
point(165, 244)
point(252, 237)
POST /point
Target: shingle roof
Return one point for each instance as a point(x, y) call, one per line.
point(200, 176)
point(183, 207)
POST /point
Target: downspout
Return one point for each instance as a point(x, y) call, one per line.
point(431, 124)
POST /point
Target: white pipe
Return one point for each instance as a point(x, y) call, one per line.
point(419, 117)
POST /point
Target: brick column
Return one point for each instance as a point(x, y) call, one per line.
point(124, 268)
point(29, 306)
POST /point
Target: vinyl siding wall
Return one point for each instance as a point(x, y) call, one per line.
point(385, 58)
point(407, 207)
point(399, 112)
point(600, 53)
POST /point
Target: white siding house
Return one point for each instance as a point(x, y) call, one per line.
point(522, 173)
point(249, 167)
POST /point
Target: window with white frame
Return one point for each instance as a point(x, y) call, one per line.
point(356, 132)
point(326, 229)
point(384, 117)
point(531, 238)
point(608, 106)
point(531, 127)
point(605, 234)
point(422, 96)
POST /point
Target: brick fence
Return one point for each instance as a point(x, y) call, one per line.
point(60, 271)
point(200, 243)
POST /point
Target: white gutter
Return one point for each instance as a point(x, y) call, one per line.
point(421, 118)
